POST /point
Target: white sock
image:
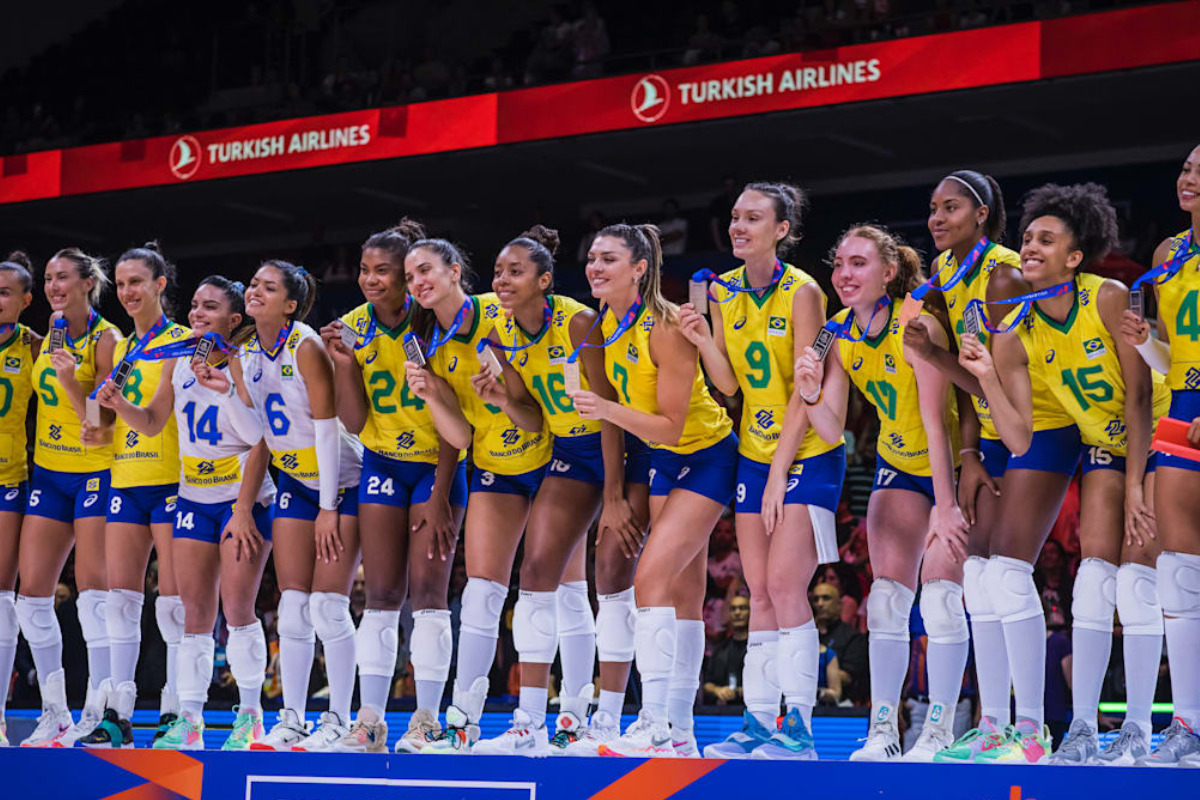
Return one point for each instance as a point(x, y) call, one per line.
point(1183, 649)
point(47, 657)
point(889, 664)
point(297, 642)
point(612, 703)
point(685, 677)
point(798, 660)
point(533, 702)
point(1143, 652)
point(169, 613)
point(195, 673)
point(991, 669)
point(1090, 651)
point(654, 641)
point(760, 677)
point(946, 663)
point(1026, 640)
point(340, 669)
point(9, 626)
point(576, 637)
point(429, 694)
point(124, 657)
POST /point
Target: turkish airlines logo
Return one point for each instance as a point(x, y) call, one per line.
point(650, 99)
point(185, 157)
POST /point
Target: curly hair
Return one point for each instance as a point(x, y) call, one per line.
point(1086, 211)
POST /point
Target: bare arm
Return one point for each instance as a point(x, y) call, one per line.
point(711, 344)
point(828, 385)
point(1004, 375)
point(931, 394)
point(148, 420)
point(443, 403)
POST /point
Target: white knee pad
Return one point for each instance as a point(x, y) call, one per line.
point(760, 675)
point(9, 626)
point(654, 642)
point(575, 616)
point(378, 642)
point(169, 614)
point(330, 615)
point(615, 624)
point(535, 627)
point(1137, 600)
point(1009, 583)
point(1094, 598)
point(799, 656)
point(38, 621)
point(942, 612)
point(195, 667)
point(432, 645)
point(93, 617)
point(246, 651)
point(979, 602)
point(1178, 585)
point(482, 602)
point(294, 621)
point(888, 606)
point(123, 616)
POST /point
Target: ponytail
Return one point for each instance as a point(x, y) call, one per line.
point(541, 243)
point(301, 286)
point(19, 264)
point(644, 244)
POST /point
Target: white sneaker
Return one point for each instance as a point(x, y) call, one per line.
point(88, 720)
point(52, 724)
point(602, 729)
point(286, 732)
point(684, 743)
point(458, 737)
point(423, 728)
point(521, 739)
point(368, 734)
point(883, 740)
point(647, 738)
point(330, 730)
point(935, 737)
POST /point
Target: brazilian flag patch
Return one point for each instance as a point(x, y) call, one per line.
point(286, 370)
point(777, 326)
point(556, 353)
point(1094, 348)
point(12, 364)
point(632, 353)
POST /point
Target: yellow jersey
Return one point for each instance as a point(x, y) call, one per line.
point(399, 425)
point(16, 387)
point(1048, 414)
point(57, 446)
point(760, 344)
point(1079, 362)
point(498, 445)
point(1179, 309)
point(877, 367)
point(630, 369)
point(541, 366)
point(140, 460)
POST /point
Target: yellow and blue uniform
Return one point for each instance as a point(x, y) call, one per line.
point(877, 367)
point(16, 388)
point(704, 460)
point(1081, 367)
point(400, 442)
point(760, 342)
point(1055, 439)
point(1179, 310)
point(507, 459)
point(145, 469)
point(70, 479)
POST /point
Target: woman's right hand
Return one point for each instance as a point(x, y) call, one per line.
point(809, 372)
point(331, 335)
point(1134, 330)
point(975, 358)
point(971, 479)
point(693, 325)
point(63, 361)
point(109, 396)
point(419, 381)
point(210, 377)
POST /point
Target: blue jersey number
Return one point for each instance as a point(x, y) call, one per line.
point(202, 427)
point(276, 419)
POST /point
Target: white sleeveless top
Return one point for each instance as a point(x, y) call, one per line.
point(281, 399)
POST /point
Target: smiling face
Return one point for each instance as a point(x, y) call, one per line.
point(1187, 186)
point(430, 279)
point(267, 297)
point(610, 268)
point(381, 278)
point(64, 285)
point(212, 313)
point(137, 288)
point(515, 279)
point(754, 230)
point(1049, 255)
point(13, 297)
point(859, 274)
point(954, 219)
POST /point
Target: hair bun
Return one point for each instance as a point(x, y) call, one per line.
point(20, 257)
point(153, 246)
point(410, 229)
point(546, 237)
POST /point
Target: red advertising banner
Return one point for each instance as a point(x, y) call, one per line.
point(1084, 44)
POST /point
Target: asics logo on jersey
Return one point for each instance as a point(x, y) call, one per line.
point(793, 483)
point(1049, 356)
point(257, 377)
point(737, 326)
point(952, 303)
point(405, 440)
point(453, 363)
point(511, 436)
point(523, 360)
point(289, 461)
point(56, 432)
point(1192, 379)
point(897, 440)
point(12, 494)
point(206, 468)
point(374, 354)
point(131, 439)
point(857, 363)
point(189, 383)
point(764, 417)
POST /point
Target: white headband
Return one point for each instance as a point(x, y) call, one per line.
point(970, 188)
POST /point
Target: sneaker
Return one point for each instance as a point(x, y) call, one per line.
point(330, 730)
point(164, 724)
point(88, 720)
point(648, 737)
point(567, 730)
point(602, 729)
point(684, 743)
point(459, 735)
point(792, 742)
point(1179, 741)
point(1023, 744)
point(284, 733)
point(883, 740)
point(935, 737)
point(247, 729)
point(368, 734)
point(522, 738)
point(423, 728)
point(112, 733)
point(1080, 746)
point(740, 744)
point(184, 734)
point(52, 724)
point(1130, 744)
point(971, 744)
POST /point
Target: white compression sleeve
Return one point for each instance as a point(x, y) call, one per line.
point(1157, 354)
point(327, 446)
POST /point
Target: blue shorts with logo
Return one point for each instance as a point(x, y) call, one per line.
point(812, 481)
point(889, 477)
point(388, 482)
point(711, 472)
point(1185, 406)
point(1095, 457)
point(525, 484)
point(1053, 450)
point(637, 460)
point(204, 522)
point(579, 458)
point(294, 500)
point(143, 505)
point(12, 498)
point(67, 496)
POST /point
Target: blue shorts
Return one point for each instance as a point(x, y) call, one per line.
point(1095, 458)
point(12, 498)
point(525, 484)
point(579, 458)
point(67, 496)
point(143, 505)
point(388, 482)
point(205, 521)
point(1053, 450)
point(294, 500)
point(812, 481)
point(888, 477)
point(711, 472)
point(637, 460)
point(1185, 406)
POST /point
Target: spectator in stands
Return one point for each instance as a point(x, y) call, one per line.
point(829, 678)
point(591, 44)
point(847, 644)
point(723, 673)
point(725, 579)
point(719, 212)
point(843, 578)
point(673, 229)
point(1052, 575)
point(1058, 672)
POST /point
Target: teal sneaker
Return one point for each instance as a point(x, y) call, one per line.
point(792, 742)
point(247, 728)
point(739, 744)
point(182, 735)
point(111, 733)
point(164, 724)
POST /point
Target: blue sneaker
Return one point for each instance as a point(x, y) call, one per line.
point(740, 743)
point(792, 742)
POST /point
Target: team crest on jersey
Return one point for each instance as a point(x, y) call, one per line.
point(556, 353)
point(289, 461)
point(92, 485)
point(1094, 348)
point(131, 439)
point(787, 283)
point(492, 311)
point(293, 340)
point(56, 432)
point(578, 430)
point(777, 326)
point(1192, 379)
point(889, 363)
point(897, 440)
point(12, 364)
point(647, 323)
point(406, 440)
point(737, 326)
point(1085, 296)
point(285, 371)
point(176, 332)
point(631, 353)
point(765, 418)
point(857, 364)
point(510, 436)
point(206, 468)
point(1115, 429)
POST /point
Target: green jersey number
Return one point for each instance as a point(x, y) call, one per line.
point(553, 393)
point(384, 385)
point(621, 376)
point(133, 387)
point(760, 365)
point(1187, 319)
point(884, 395)
point(6, 389)
point(46, 387)
point(1084, 387)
